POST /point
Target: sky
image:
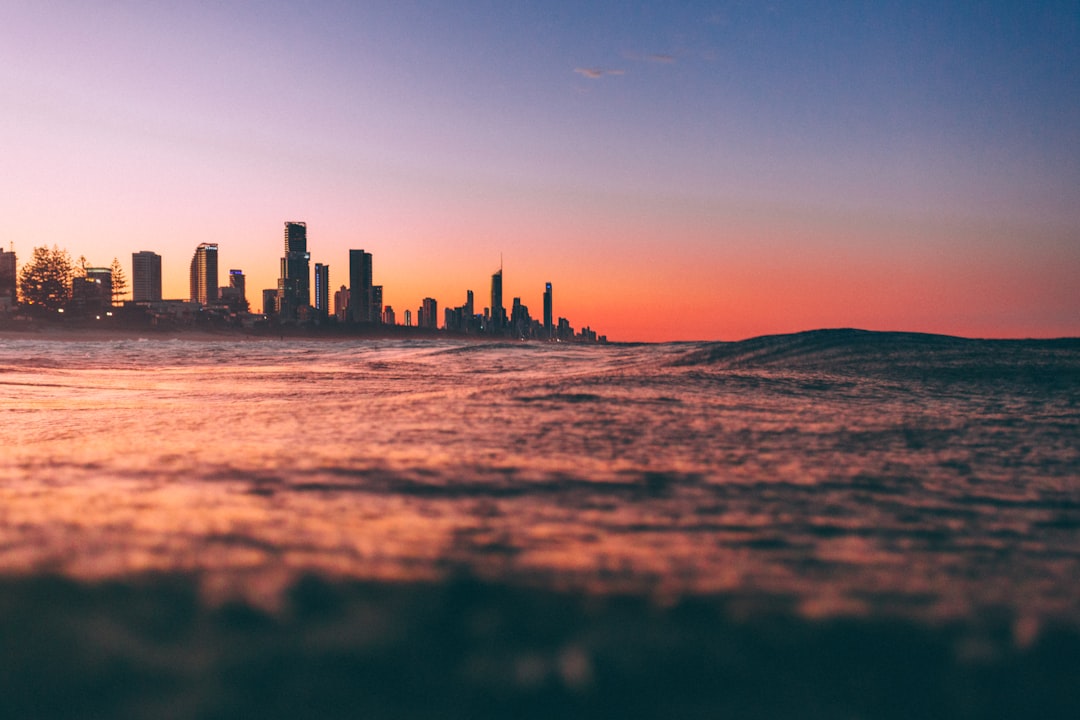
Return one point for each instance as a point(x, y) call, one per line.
point(677, 171)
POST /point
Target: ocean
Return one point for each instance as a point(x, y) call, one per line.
point(834, 524)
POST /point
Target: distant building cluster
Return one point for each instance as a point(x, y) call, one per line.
point(297, 301)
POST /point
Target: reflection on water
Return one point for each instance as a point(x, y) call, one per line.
point(843, 475)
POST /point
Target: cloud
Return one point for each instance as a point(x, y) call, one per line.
point(662, 58)
point(596, 73)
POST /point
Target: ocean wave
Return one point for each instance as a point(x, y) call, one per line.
point(924, 356)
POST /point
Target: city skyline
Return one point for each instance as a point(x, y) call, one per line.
point(359, 303)
point(698, 171)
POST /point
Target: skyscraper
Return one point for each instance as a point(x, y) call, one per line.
point(498, 312)
point(204, 274)
point(8, 285)
point(549, 327)
point(145, 276)
point(428, 314)
point(294, 283)
point(322, 290)
point(359, 286)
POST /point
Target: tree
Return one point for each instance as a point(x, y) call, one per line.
point(45, 281)
point(119, 282)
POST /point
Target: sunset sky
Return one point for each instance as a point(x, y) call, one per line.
point(676, 170)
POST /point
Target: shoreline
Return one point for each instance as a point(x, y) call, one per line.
point(114, 333)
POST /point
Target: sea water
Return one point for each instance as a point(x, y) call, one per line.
point(832, 524)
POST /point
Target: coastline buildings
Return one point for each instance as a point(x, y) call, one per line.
point(294, 283)
point(359, 304)
point(204, 274)
point(145, 276)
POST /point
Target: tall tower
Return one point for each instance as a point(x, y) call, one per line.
point(145, 276)
point(322, 290)
point(204, 274)
point(548, 326)
point(498, 312)
point(359, 286)
point(294, 284)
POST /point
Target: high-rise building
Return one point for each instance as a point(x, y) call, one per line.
point(322, 290)
point(498, 312)
point(341, 304)
point(428, 314)
point(294, 283)
point(8, 284)
point(360, 286)
point(388, 316)
point(408, 318)
point(204, 274)
point(145, 276)
point(549, 327)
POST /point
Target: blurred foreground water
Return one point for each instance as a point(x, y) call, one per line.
point(830, 524)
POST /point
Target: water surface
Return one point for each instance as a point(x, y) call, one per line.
point(825, 480)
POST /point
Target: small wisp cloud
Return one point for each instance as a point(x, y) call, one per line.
point(597, 73)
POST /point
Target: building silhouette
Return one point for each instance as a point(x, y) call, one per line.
point(269, 301)
point(8, 282)
point(360, 286)
point(145, 276)
point(341, 304)
point(428, 314)
point(375, 307)
point(235, 295)
point(294, 282)
point(498, 312)
point(204, 274)
point(322, 290)
point(91, 294)
point(549, 328)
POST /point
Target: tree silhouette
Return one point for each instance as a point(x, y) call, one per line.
point(119, 282)
point(45, 281)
